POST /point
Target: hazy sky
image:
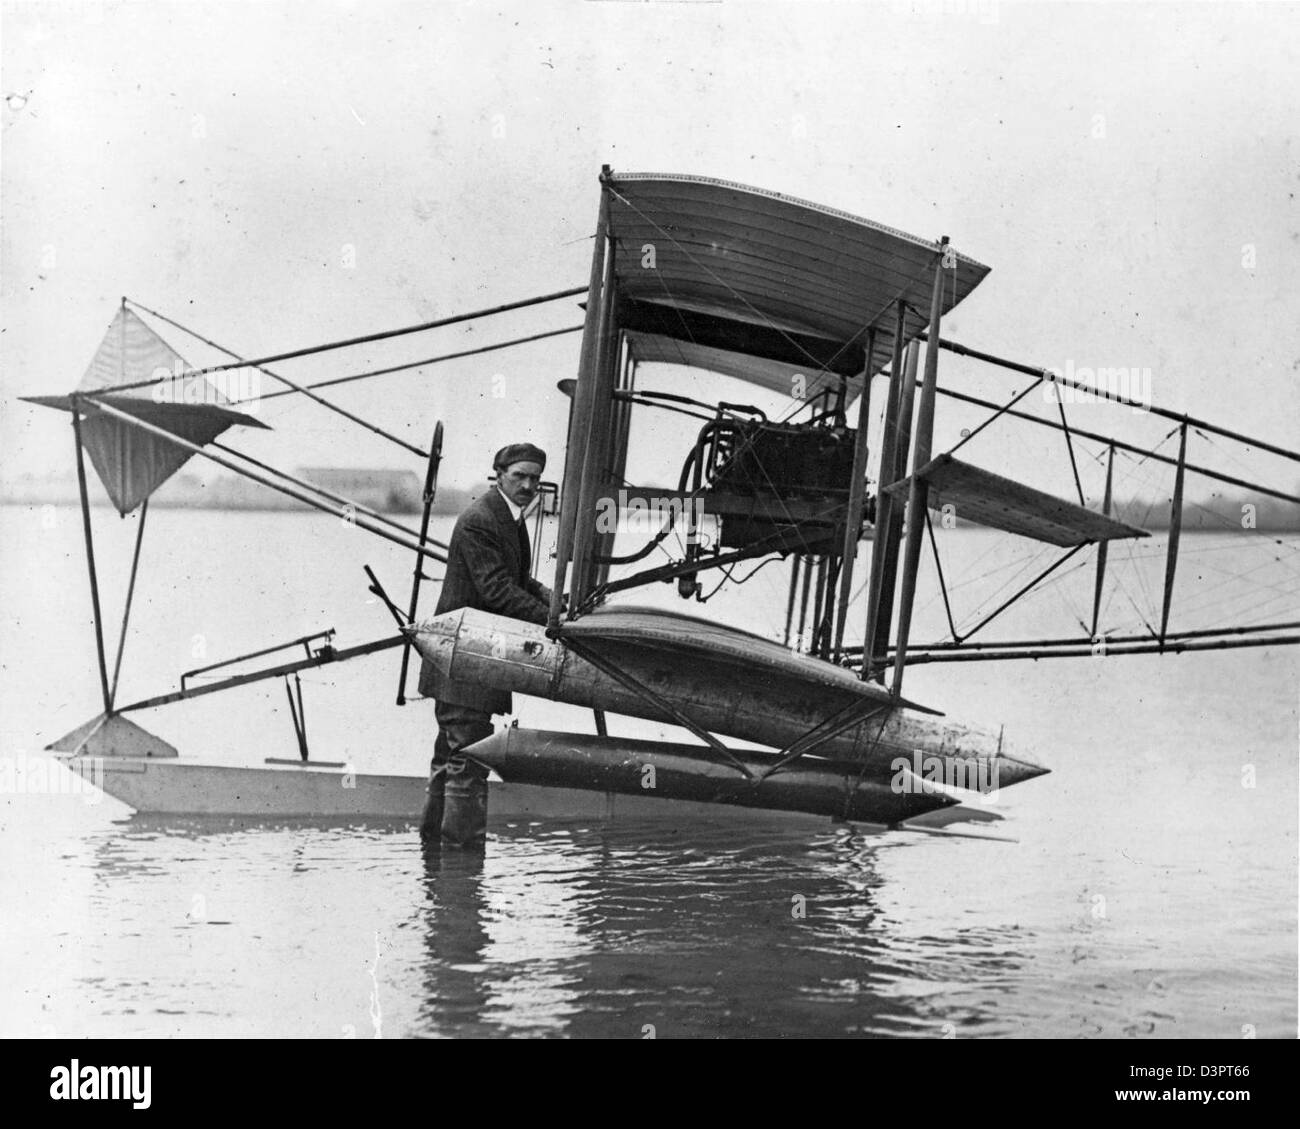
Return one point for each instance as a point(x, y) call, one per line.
point(281, 174)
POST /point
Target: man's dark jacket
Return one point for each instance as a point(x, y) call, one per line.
point(487, 569)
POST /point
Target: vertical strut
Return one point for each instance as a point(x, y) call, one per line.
point(130, 593)
point(1175, 530)
point(430, 490)
point(884, 502)
point(917, 497)
point(90, 554)
point(857, 496)
point(789, 603)
point(580, 417)
point(889, 563)
point(1102, 547)
point(803, 601)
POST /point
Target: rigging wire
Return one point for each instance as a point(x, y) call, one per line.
point(364, 339)
point(433, 360)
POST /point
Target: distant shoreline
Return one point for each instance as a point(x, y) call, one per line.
point(1198, 516)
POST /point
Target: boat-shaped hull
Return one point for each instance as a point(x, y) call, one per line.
point(184, 789)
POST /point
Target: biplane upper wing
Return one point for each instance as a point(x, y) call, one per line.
point(990, 500)
point(761, 286)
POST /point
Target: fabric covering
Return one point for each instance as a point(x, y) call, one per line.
point(130, 462)
point(760, 259)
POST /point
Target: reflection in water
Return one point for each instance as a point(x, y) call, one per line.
point(634, 931)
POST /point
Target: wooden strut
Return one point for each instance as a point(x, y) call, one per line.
point(884, 501)
point(595, 452)
point(580, 415)
point(1069, 446)
point(819, 593)
point(90, 555)
point(790, 598)
point(803, 599)
point(919, 490)
point(130, 594)
point(1175, 531)
point(644, 692)
point(1103, 547)
point(430, 492)
point(298, 714)
point(889, 565)
point(857, 498)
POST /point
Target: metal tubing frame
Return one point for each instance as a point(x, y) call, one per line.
point(304, 641)
point(319, 659)
point(855, 713)
point(1164, 413)
point(1171, 646)
point(1174, 636)
point(315, 503)
point(1119, 445)
point(340, 499)
point(644, 692)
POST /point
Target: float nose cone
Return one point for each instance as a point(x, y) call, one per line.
point(492, 751)
point(1016, 770)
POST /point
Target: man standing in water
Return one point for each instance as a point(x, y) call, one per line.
point(488, 568)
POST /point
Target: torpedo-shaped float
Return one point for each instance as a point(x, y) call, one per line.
point(679, 772)
point(666, 667)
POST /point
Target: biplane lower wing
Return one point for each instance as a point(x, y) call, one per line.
point(990, 500)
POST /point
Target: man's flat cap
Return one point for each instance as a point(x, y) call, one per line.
point(519, 453)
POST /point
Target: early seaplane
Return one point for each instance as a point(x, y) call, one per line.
point(722, 280)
